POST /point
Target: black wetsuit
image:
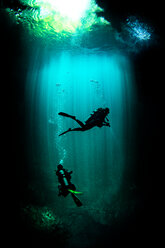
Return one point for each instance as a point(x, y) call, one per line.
point(96, 119)
point(64, 178)
point(65, 187)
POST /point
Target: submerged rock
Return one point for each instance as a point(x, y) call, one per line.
point(41, 218)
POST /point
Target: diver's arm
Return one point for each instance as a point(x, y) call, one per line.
point(69, 172)
point(106, 124)
point(103, 124)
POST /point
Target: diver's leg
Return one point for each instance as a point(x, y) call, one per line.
point(65, 132)
point(80, 123)
point(74, 129)
point(72, 117)
point(78, 129)
point(66, 115)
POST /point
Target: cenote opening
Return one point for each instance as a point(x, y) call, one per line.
point(77, 64)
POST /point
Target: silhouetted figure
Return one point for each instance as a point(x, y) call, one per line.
point(97, 119)
point(64, 178)
point(65, 186)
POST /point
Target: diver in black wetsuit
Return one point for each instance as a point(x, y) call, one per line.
point(64, 178)
point(65, 186)
point(97, 118)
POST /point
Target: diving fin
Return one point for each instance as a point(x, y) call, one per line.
point(66, 115)
point(76, 200)
point(74, 192)
point(66, 131)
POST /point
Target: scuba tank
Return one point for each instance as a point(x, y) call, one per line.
point(65, 181)
point(95, 116)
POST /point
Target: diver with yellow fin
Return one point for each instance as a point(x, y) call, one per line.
point(65, 186)
point(97, 119)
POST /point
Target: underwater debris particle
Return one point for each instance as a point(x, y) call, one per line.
point(51, 121)
point(94, 81)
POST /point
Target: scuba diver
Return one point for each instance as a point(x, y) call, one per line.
point(65, 186)
point(97, 119)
